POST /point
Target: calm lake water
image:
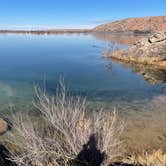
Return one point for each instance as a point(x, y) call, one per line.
point(138, 92)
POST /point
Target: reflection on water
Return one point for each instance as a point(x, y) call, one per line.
point(147, 121)
point(119, 38)
point(149, 73)
point(26, 60)
point(137, 92)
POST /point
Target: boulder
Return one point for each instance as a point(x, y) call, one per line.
point(3, 126)
point(160, 36)
point(151, 50)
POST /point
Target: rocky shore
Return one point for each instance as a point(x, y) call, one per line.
point(148, 51)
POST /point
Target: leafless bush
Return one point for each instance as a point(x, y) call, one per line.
point(67, 129)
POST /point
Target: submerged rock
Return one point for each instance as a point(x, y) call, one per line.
point(3, 126)
point(149, 73)
point(151, 50)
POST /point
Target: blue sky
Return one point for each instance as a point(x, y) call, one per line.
point(20, 14)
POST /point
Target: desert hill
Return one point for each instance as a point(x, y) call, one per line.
point(136, 25)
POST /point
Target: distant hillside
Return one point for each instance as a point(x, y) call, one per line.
point(136, 25)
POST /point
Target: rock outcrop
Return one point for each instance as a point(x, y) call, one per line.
point(136, 25)
point(150, 50)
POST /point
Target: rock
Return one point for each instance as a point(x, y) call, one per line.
point(151, 50)
point(142, 42)
point(3, 126)
point(158, 37)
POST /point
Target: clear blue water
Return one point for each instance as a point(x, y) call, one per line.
point(138, 93)
point(29, 60)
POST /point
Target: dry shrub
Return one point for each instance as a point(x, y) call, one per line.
point(68, 128)
point(156, 158)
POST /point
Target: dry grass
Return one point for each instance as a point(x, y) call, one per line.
point(66, 133)
point(156, 158)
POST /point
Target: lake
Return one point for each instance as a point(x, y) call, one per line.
point(137, 92)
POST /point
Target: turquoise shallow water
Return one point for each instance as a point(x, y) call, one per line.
point(137, 92)
point(29, 60)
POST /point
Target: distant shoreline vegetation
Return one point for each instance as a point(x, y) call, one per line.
point(129, 26)
point(72, 31)
point(54, 31)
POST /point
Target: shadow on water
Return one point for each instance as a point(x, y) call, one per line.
point(90, 155)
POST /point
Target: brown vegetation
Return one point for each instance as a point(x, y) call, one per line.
point(156, 158)
point(69, 134)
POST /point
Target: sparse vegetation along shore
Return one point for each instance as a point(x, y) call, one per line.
point(68, 134)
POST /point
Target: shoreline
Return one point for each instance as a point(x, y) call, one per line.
point(155, 65)
point(71, 31)
point(54, 31)
point(148, 51)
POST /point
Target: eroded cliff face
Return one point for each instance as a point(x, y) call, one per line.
point(150, 50)
point(136, 25)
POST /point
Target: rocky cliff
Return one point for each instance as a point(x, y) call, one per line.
point(136, 25)
point(150, 50)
